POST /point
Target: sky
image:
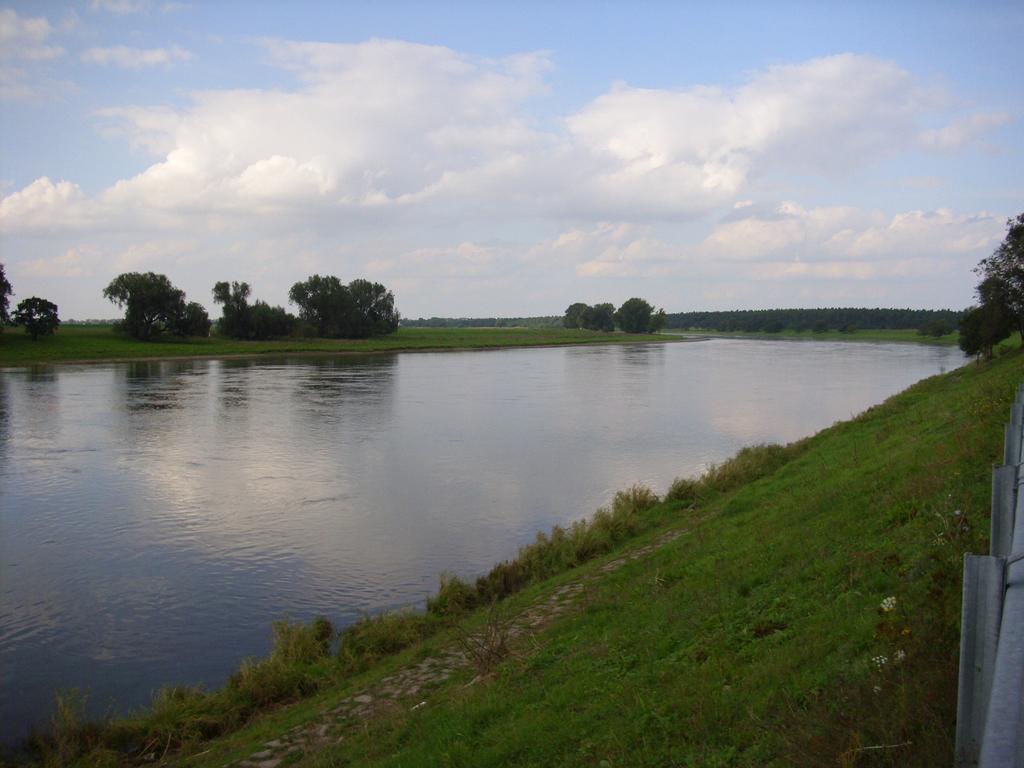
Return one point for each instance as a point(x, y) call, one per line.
point(489, 159)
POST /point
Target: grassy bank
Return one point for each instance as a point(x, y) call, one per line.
point(887, 335)
point(807, 616)
point(92, 343)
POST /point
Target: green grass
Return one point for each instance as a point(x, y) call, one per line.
point(889, 335)
point(747, 642)
point(84, 343)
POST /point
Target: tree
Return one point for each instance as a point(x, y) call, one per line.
point(335, 310)
point(5, 301)
point(373, 309)
point(151, 303)
point(1005, 269)
point(39, 316)
point(236, 315)
point(634, 316)
point(324, 303)
point(984, 326)
point(574, 315)
point(658, 320)
point(936, 328)
point(266, 321)
point(600, 317)
point(190, 320)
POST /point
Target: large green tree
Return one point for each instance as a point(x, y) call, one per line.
point(153, 306)
point(267, 322)
point(324, 302)
point(5, 298)
point(1003, 272)
point(637, 316)
point(38, 316)
point(191, 319)
point(357, 310)
point(600, 317)
point(236, 313)
point(373, 308)
point(984, 326)
point(574, 315)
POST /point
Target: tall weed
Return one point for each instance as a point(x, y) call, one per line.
point(750, 464)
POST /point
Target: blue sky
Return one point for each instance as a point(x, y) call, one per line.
point(489, 159)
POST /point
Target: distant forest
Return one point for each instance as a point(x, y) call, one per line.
point(752, 320)
point(484, 322)
point(821, 320)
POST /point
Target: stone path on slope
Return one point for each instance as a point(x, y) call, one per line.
point(410, 687)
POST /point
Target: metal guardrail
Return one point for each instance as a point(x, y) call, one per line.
point(990, 699)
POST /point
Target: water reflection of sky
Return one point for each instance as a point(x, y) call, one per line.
point(156, 517)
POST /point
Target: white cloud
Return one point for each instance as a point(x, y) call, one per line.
point(792, 232)
point(698, 146)
point(15, 84)
point(73, 263)
point(119, 7)
point(963, 130)
point(467, 260)
point(380, 123)
point(389, 128)
point(135, 58)
point(929, 233)
point(23, 37)
point(43, 204)
point(782, 242)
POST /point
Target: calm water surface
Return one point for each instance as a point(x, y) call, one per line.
point(156, 517)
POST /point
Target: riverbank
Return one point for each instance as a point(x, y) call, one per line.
point(906, 336)
point(794, 607)
point(84, 344)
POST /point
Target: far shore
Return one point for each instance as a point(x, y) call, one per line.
point(89, 344)
point(887, 335)
point(79, 345)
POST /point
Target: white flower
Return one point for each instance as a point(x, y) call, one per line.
point(899, 656)
point(877, 689)
point(879, 661)
point(889, 604)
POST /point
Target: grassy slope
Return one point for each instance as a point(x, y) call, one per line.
point(100, 343)
point(907, 336)
point(750, 641)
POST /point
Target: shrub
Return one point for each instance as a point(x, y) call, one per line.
point(750, 464)
point(454, 596)
point(374, 637)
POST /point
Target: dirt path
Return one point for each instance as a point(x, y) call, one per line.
point(411, 687)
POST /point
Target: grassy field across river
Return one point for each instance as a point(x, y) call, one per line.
point(99, 342)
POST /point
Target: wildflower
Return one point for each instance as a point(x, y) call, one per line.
point(877, 689)
point(889, 604)
point(899, 656)
point(879, 661)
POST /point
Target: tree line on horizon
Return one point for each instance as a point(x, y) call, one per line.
point(327, 308)
point(155, 307)
point(540, 321)
point(935, 322)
